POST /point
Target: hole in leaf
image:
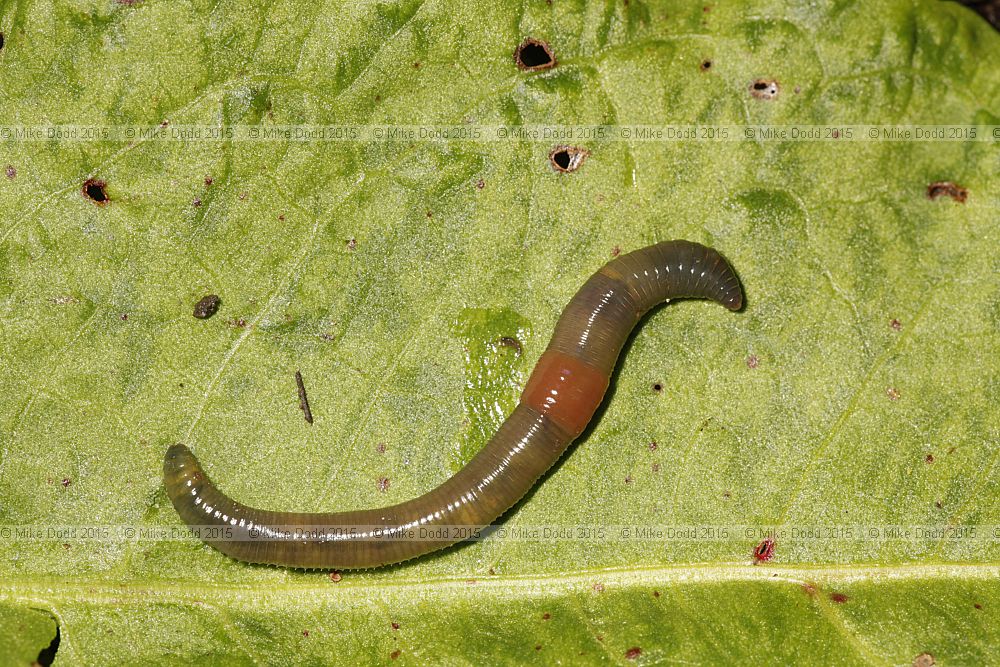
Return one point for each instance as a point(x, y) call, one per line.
point(940, 189)
point(48, 654)
point(567, 158)
point(706, 65)
point(657, 387)
point(764, 89)
point(533, 55)
point(94, 190)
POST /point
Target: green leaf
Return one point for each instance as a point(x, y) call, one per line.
point(857, 388)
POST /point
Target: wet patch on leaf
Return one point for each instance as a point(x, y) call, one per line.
point(492, 343)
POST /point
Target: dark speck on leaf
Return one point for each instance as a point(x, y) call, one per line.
point(839, 598)
point(11, 172)
point(706, 65)
point(633, 653)
point(207, 307)
point(196, 203)
point(208, 180)
point(66, 481)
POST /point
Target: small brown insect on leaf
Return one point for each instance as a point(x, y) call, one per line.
point(598, 587)
point(383, 484)
point(940, 189)
point(896, 325)
point(839, 598)
point(546, 616)
point(633, 653)
point(10, 171)
point(753, 361)
point(336, 576)
point(924, 660)
point(207, 306)
point(513, 343)
point(616, 251)
point(395, 654)
point(395, 625)
point(929, 458)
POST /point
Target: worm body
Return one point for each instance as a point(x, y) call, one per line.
point(559, 399)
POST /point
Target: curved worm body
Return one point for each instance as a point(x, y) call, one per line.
point(562, 394)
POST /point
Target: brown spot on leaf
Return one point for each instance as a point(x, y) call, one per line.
point(929, 458)
point(839, 598)
point(705, 65)
point(208, 181)
point(383, 484)
point(753, 361)
point(94, 189)
point(633, 653)
point(599, 587)
point(567, 159)
point(764, 89)
point(395, 654)
point(380, 448)
point(196, 203)
point(924, 660)
point(896, 325)
point(305, 633)
point(657, 387)
point(533, 55)
point(656, 594)
point(616, 251)
point(656, 467)
point(395, 625)
point(480, 184)
point(10, 171)
point(939, 189)
point(977, 605)
point(351, 244)
point(628, 479)
point(652, 446)
point(546, 616)
point(810, 589)
point(66, 481)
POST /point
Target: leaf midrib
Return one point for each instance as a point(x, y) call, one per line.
point(52, 589)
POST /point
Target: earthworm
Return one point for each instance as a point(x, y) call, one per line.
point(561, 396)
